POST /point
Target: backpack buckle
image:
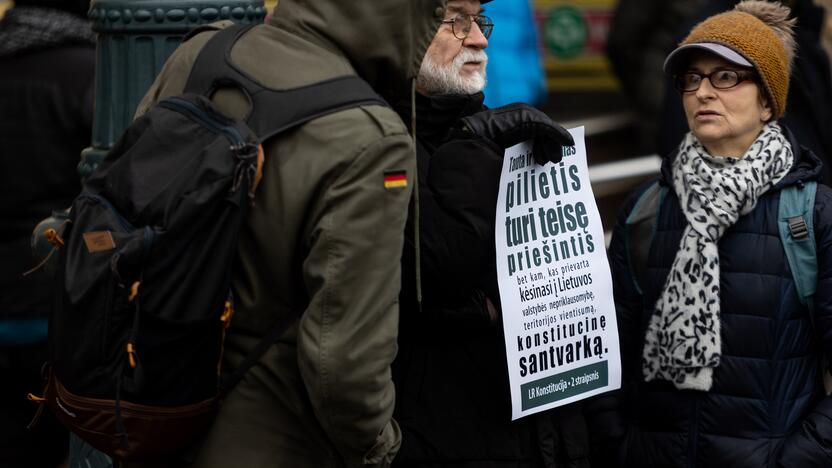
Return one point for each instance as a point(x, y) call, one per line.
point(798, 228)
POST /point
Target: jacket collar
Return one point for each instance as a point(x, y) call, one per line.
point(437, 114)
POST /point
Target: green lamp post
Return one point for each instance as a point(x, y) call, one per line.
point(135, 37)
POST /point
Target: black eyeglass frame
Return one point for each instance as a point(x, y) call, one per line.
point(483, 22)
point(742, 76)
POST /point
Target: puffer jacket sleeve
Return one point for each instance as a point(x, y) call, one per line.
point(811, 444)
point(605, 415)
point(347, 335)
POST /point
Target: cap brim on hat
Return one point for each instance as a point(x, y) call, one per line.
point(676, 59)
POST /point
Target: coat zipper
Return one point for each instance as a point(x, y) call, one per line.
point(694, 436)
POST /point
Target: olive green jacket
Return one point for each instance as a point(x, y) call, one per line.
point(323, 241)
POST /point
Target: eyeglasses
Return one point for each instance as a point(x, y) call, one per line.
point(461, 25)
point(719, 79)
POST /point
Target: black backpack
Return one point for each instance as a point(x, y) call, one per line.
point(137, 338)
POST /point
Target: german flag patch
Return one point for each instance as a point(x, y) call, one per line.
point(395, 179)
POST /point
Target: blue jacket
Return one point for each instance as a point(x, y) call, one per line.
point(767, 406)
point(515, 68)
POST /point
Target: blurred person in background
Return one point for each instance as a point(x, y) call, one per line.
point(515, 70)
point(721, 360)
point(826, 29)
point(47, 64)
point(809, 114)
point(641, 35)
point(452, 393)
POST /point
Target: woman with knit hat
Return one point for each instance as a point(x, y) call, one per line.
point(721, 360)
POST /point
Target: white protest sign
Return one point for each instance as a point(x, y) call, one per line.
point(555, 284)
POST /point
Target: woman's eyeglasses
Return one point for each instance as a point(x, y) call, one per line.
point(720, 79)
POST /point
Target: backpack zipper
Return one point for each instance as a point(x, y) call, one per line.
point(244, 151)
point(206, 119)
point(125, 224)
point(147, 232)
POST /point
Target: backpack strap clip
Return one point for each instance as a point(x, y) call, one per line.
point(795, 215)
point(798, 228)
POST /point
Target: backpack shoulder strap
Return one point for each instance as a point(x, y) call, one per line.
point(640, 227)
point(273, 111)
point(795, 223)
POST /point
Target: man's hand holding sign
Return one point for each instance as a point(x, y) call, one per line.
point(555, 292)
point(555, 287)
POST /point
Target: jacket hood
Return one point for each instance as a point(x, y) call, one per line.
point(807, 166)
point(384, 40)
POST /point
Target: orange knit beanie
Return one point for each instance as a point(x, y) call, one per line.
point(753, 39)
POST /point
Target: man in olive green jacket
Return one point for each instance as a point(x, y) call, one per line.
point(323, 241)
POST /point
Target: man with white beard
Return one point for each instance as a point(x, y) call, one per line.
point(454, 66)
point(453, 401)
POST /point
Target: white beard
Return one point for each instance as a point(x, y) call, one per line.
point(435, 78)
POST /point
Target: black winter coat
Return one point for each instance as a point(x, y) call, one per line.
point(767, 406)
point(46, 120)
point(452, 393)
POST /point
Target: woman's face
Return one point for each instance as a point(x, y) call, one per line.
point(726, 121)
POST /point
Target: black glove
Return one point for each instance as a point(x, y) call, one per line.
point(509, 125)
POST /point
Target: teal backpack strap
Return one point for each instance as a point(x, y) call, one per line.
point(795, 221)
point(797, 234)
point(640, 227)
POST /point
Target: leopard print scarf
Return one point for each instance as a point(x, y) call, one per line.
point(682, 342)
